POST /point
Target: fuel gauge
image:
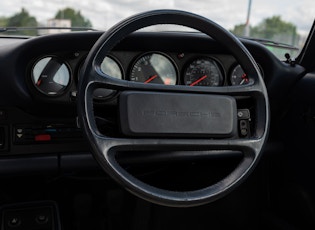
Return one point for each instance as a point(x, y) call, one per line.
point(51, 76)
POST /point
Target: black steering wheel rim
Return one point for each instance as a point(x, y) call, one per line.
point(105, 148)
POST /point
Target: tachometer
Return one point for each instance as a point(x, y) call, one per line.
point(203, 72)
point(154, 68)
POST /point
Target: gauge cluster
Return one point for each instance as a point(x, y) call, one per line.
point(55, 76)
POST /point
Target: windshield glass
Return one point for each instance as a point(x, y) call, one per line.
point(281, 25)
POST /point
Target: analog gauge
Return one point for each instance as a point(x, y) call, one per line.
point(203, 72)
point(51, 76)
point(110, 67)
point(154, 68)
point(238, 76)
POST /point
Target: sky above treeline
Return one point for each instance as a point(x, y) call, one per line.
point(105, 13)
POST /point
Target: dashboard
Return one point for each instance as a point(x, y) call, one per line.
point(38, 99)
point(41, 135)
point(52, 75)
point(52, 71)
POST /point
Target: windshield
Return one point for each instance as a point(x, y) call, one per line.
point(281, 25)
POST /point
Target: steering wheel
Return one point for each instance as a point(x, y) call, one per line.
point(177, 125)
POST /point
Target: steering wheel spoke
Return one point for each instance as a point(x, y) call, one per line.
point(250, 146)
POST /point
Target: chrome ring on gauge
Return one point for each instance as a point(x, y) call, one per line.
point(154, 68)
point(203, 72)
point(51, 76)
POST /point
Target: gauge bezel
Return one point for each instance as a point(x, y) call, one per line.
point(217, 63)
point(64, 89)
point(141, 55)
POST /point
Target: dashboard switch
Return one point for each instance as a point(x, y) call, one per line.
point(244, 118)
point(31, 134)
point(42, 137)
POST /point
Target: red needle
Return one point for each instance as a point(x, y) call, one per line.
point(38, 82)
point(151, 78)
point(245, 79)
point(199, 80)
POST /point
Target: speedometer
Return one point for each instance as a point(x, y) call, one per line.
point(203, 72)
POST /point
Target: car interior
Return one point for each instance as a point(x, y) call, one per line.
point(141, 129)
